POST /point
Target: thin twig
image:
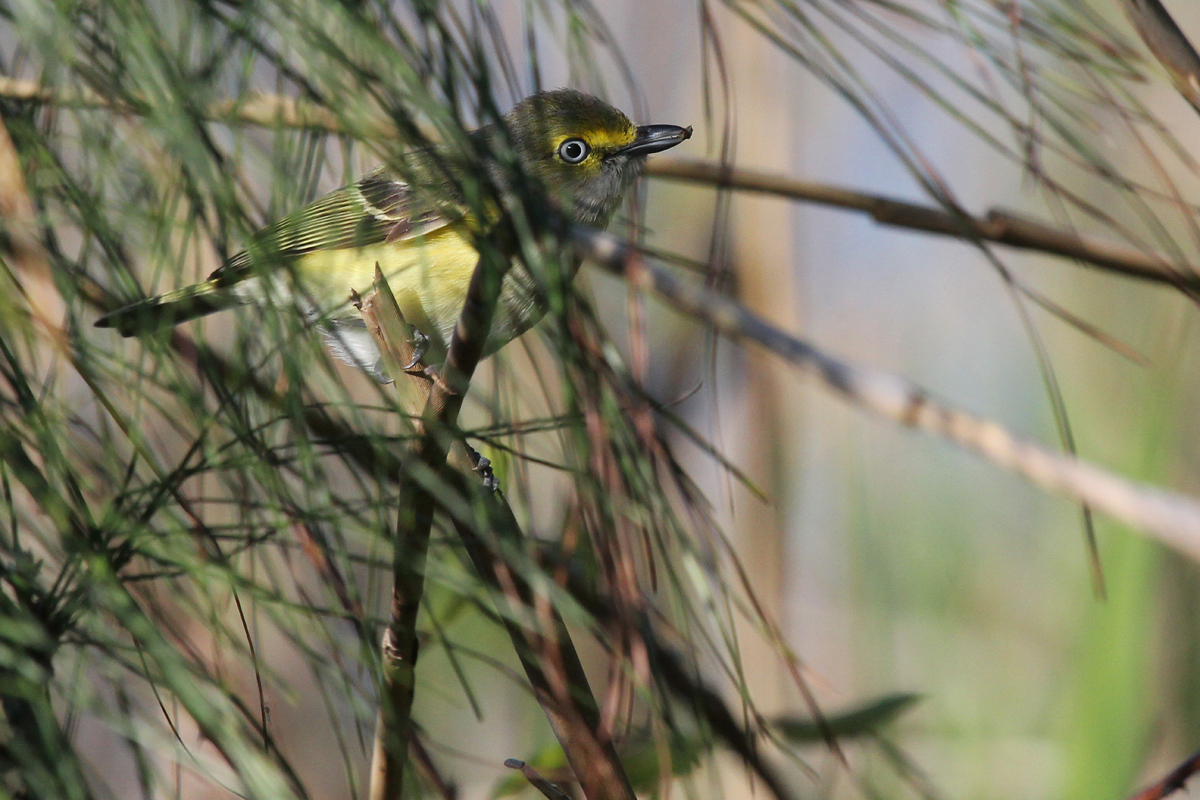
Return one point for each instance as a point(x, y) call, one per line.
point(424, 760)
point(1169, 45)
point(1174, 780)
point(998, 225)
point(267, 110)
point(537, 781)
point(1170, 517)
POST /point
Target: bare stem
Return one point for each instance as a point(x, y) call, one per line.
point(415, 510)
point(547, 653)
point(1169, 517)
point(1173, 782)
point(998, 225)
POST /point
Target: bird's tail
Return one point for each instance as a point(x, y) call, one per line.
point(170, 309)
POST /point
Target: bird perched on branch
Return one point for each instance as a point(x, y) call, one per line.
point(413, 223)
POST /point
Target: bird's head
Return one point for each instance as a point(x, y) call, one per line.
point(586, 152)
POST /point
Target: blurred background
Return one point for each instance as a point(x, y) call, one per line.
point(891, 562)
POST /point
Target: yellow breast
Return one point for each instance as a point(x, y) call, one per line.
point(428, 275)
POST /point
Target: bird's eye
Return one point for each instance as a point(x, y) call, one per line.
point(573, 151)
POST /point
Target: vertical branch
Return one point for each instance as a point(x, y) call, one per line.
point(416, 506)
point(564, 695)
point(396, 342)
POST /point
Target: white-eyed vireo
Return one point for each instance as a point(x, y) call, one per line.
point(585, 152)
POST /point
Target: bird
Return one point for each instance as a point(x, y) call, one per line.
point(411, 223)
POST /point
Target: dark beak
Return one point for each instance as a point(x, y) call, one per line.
point(655, 139)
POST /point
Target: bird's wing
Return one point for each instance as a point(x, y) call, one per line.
point(378, 208)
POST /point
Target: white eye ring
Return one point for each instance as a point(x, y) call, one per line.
point(573, 151)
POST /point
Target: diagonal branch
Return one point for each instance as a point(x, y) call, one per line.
point(1171, 518)
point(1169, 45)
point(998, 225)
point(672, 671)
point(1173, 782)
point(548, 789)
point(546, 652)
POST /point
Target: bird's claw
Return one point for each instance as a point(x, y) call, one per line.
point(483, 466)
point(380, 373)
point(420, 346)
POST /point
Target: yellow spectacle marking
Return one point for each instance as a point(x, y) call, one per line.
point(601, 140)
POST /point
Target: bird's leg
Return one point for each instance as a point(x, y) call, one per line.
point(420, 345)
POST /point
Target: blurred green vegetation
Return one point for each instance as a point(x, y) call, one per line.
point(193, 581)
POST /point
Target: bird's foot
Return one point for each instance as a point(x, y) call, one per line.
point(379, 372)
point(483, 466)
point(420, 345)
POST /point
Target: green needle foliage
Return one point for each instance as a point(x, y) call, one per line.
point(196, 526)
